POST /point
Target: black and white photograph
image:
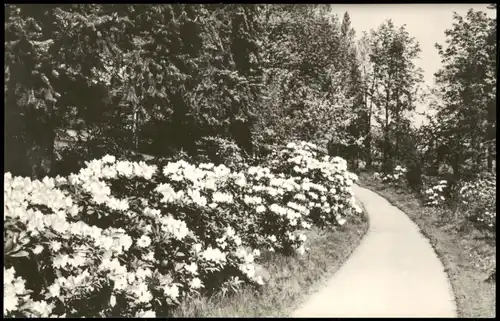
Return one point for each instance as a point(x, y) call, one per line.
point(190, 160)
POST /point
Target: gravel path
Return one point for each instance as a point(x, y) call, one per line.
point(393, 273)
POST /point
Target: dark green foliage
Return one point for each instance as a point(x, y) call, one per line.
point(134, 77)
point(220, 151)
point(414, 175)
point(159, 79)
point(466, 96)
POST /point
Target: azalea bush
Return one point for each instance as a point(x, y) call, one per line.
point(436, 194)
point(132, 239)
point(478, 201)
point(475, 199)
point(397, 177)
point(325, 181)
point(220, 151)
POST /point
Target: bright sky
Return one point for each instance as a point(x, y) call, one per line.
point(426, 22)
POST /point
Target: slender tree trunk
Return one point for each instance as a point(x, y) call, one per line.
point(386, 142)
point(396, 147)
point(136, 137)
point(476, 159)
point(365, 102)
point(435, 162)
point(369, 129)
point(386, 132)
point(491, 134)
point(398, 124)
point(481, 156)
point(490, 157)
point(369, 140)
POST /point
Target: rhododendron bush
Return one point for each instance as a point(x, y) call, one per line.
point(397, 177)
point(478, 201)
point(473, 200)
point(130, 239)
point(325, 181)
point(436, 194)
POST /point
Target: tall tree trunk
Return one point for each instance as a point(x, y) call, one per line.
point(491, 134)
point(369, 129)
point(398, 124)
point(368, 143)
point(434, 170)
point(476, 158)
point(490, 157)
point(365, 103)
point(396, 147)
point(135, 134)
point(386, 133)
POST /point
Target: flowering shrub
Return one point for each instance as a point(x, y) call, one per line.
point(398, 176)
point(130, 239)
point(436, 195)
point(220, 151)
point(325, 181)
point(478, 201)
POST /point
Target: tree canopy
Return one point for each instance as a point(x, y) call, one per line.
point(164, 78)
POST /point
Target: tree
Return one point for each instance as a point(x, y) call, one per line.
point(395, 84)
point(132, 76)
point(159, 79)
point(368, 77)
point(301, 46)
point(468, 90)
point(313, 77)
point(32, 104)
point(358, 129)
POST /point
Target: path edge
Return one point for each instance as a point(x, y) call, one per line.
point(327, 277)
point(438, 255)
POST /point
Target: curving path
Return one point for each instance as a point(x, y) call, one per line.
point(394, 272)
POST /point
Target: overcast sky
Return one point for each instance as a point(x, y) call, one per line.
point(425, 22)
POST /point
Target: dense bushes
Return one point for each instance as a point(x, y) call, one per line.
point(396, 177)
point(326, 180)
point(130, 239)
point(220, 151)
point(472, 200)
point(478, 201)
point(435, 195)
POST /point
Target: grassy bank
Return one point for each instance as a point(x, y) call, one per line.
point(292, 279)
point(467, 253)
